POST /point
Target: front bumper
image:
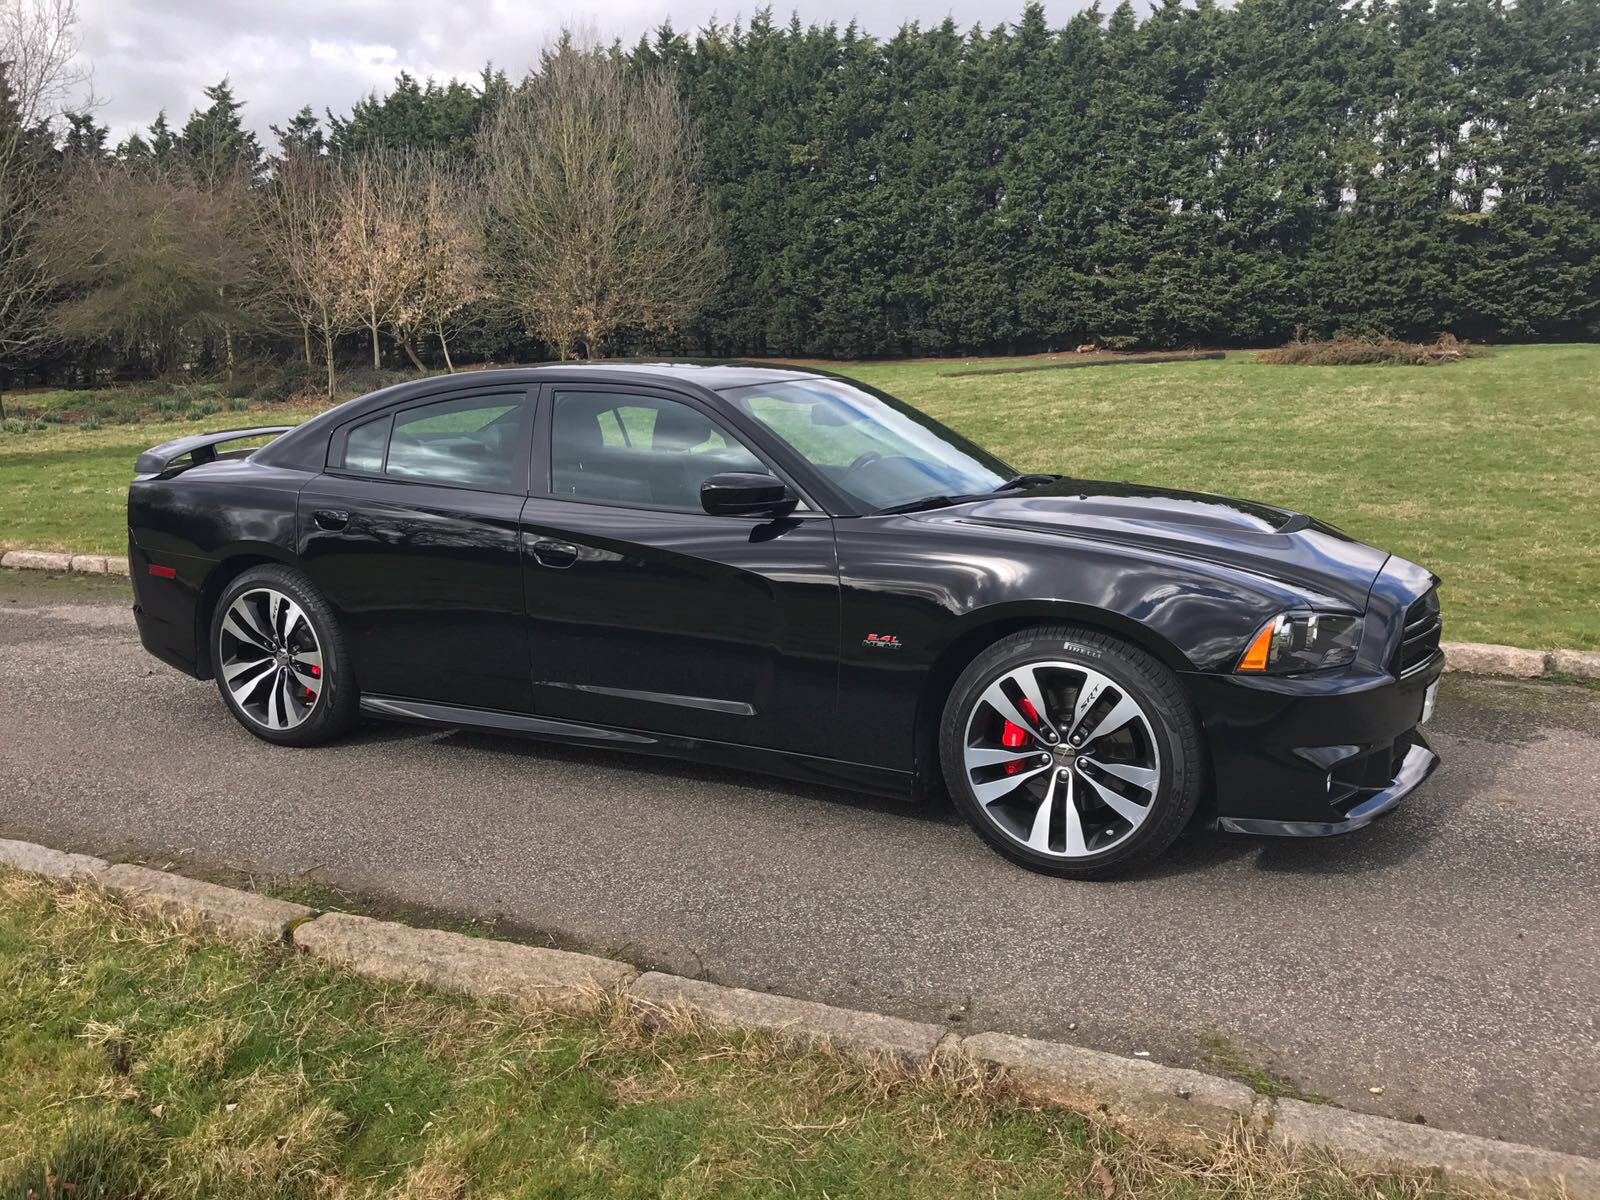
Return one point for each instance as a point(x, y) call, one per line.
point(1416, 762)
point(1314, 756)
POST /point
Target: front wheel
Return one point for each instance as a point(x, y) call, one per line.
point(1071, 752)
point(279, 659)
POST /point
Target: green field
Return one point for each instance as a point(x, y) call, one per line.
point(1484, 471)
point(141, 1060)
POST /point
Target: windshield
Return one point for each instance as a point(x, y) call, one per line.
point(874, 449)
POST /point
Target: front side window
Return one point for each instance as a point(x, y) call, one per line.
point(476, 442)
point(638, 450)
point(874, 450)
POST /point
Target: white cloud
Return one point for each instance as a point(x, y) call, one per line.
point(150, 55)
point(377, 61)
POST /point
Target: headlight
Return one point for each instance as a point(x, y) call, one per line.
point(1303, 641)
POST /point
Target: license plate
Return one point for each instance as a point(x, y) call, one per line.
point(1429, 698)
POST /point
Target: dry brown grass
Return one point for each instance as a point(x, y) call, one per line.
point(1369, 351)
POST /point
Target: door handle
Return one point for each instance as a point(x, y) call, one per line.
point(331, 519)
point(555, 554)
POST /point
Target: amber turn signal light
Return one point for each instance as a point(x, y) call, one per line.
point(1255, 658)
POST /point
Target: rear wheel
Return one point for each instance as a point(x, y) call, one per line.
point(1071, 752)
point(279, 660)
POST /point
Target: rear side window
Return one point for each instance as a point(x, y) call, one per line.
point(477, 442)
point(364, 445)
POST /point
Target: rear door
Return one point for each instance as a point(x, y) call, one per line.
point(645, 611)
point(412, 533)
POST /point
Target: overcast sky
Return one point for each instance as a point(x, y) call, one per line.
point(279, 54)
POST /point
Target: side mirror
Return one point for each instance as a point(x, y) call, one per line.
point(738, 494)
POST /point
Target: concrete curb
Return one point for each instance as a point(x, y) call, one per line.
point(41, 860)
point(453, 961)
point(1379, 1144)
point(1482, 658)
point(223, 910)
point(50, 560)
point(1467, 658)
point(806, 1021)
point(1184, 1107)
point(1164, 1104)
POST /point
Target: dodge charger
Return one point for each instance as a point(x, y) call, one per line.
point(787, 571)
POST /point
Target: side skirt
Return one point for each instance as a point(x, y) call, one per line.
point(857, 777)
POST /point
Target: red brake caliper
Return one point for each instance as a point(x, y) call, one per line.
point(1014, 737)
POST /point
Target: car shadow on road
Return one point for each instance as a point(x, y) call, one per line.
point(934, 809)
point(1387, 844)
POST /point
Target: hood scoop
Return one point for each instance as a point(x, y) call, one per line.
point(1263, 538)
point(1129, 508)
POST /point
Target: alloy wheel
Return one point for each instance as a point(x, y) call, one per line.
point(270, 659)
point(1061, 759)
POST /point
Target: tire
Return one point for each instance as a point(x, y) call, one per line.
point(1115, 801)
point(282, 668)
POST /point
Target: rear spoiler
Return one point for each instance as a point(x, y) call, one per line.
point(200, 447)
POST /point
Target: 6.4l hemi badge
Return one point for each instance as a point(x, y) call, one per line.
point(882, 641)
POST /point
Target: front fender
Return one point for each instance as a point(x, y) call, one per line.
point(915, 608)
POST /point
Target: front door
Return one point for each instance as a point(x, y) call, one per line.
point(412, 534)
point(647, 612)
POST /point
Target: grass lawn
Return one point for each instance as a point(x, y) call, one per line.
point(141, 1060)
point(66, 487)
point(1484, 470)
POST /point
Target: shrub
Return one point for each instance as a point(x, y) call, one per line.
point(285, 382)
point(367, 379)
point(202, 408)
point(146, 390)
point(1120, 341)
point(1369, 351)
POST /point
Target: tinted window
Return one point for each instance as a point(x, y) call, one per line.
point(874, 449)
point(476, 442)
point(638, 450)
point(364, 445)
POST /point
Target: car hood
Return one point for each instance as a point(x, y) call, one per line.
point(1275, 542)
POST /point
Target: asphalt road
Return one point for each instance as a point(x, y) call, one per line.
point(1450, 955)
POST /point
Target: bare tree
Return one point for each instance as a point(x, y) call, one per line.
point(148, 259)
point(598, 222)
point(226, 197)
point(375, 234)
point(298, 218)
point(450, 268)
point(38, 48)
point(39, 45)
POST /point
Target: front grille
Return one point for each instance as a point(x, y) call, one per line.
point(1420, 637)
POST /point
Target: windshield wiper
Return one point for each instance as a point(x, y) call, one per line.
point(947, 499)
point(1017, 481)
point(928, 502)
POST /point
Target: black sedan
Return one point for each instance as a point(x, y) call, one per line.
point(788, 571)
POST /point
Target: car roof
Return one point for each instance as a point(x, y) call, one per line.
point(299, 448)
point(718, 375)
